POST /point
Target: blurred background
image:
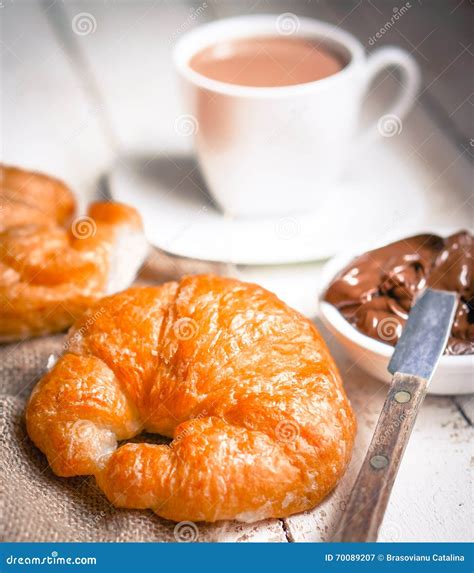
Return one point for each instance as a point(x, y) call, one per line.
point(87, 83)
point(73, 99)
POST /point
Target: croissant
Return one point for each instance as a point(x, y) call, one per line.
point(51, 270)
point(244, 385)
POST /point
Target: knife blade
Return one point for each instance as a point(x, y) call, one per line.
point(425, 334)
point(413, 363)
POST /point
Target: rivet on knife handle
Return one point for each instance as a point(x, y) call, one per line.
point(413, 363)
point(366, 507)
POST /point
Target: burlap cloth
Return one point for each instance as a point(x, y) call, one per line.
point(36, 505)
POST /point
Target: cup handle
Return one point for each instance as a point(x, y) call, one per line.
point(390, 122)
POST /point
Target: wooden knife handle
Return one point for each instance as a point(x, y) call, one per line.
point(366, 507)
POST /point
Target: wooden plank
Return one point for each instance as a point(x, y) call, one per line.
point(466, 406)
point(48, 122)
point(431, 497)
point(365, 509)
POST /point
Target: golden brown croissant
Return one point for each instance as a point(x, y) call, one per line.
point(243, 384)
point(51, 270)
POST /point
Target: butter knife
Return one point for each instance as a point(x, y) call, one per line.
point(413, 363)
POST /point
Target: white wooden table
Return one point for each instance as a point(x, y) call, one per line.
point(75, 97)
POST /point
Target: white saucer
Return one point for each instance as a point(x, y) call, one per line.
point(380, 196)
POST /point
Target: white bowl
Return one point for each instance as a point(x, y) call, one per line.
point(454, 374)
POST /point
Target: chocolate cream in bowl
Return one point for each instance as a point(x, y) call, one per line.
point(376, 290)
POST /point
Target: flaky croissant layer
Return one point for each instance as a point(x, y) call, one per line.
point(243, 384)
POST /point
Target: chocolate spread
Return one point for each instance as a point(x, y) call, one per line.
point(376, 290)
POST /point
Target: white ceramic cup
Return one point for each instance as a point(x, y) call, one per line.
point(275, 150)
